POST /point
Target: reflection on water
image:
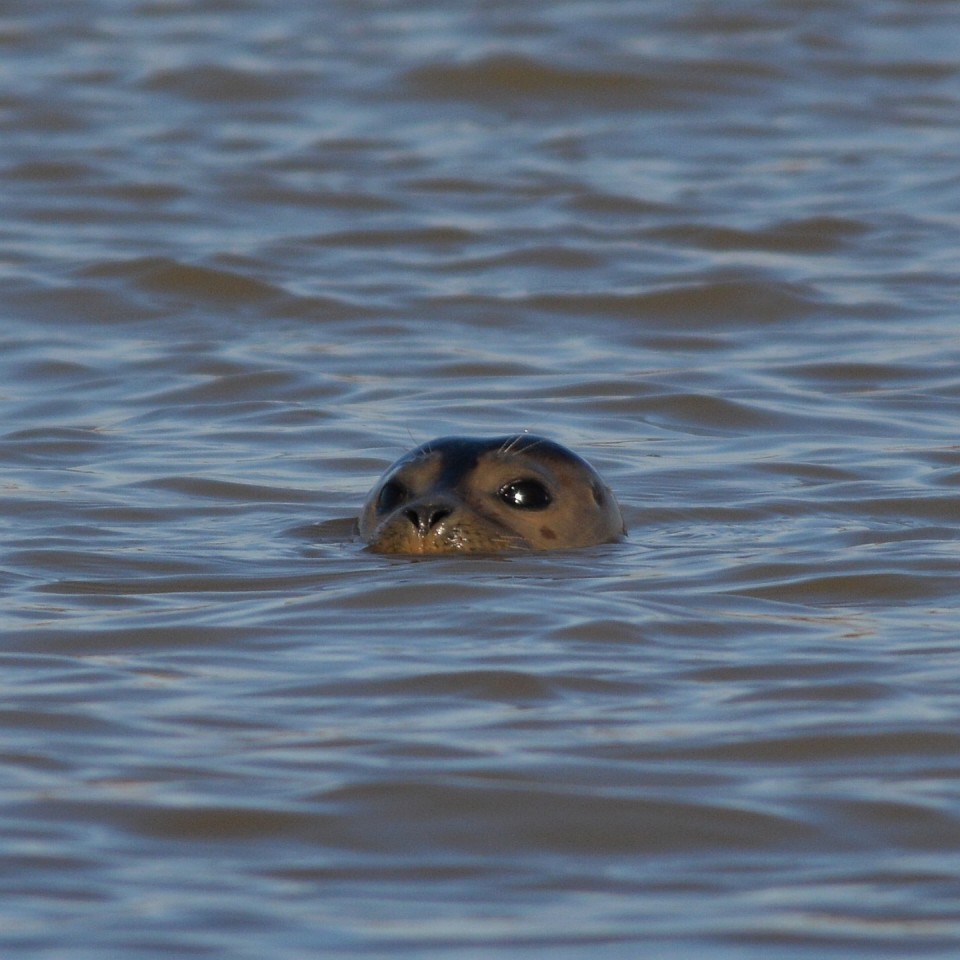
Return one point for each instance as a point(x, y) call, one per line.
point(251, 255)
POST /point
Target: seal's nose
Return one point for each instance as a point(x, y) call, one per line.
point(425, 516)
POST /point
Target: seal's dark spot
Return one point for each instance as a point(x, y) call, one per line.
point(547, 533)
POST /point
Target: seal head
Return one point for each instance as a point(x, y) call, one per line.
point(457, 495)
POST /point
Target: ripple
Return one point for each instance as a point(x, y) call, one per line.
point(248, 387)
point(165, 276)
point(499, 686)
point(56, 445)
point(512, 75)
point(53, 171)
point(694, 305)
point(225, 490)
point(510, 817)
point(216, 83)
point(857, 589)
point(814, 235)
point(436, 237)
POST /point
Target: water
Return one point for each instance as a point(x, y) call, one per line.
point(250, 254)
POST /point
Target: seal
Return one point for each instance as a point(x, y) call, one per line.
point(460, 495)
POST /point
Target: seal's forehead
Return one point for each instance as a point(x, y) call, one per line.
point(529, 445)
point(449, 459)
point(470, 449)
point(452, 448)
point(458, 453)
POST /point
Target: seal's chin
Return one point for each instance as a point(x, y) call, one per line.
point(467, 535)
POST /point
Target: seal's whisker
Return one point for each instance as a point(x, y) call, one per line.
point(511, 444)
point(532, 445)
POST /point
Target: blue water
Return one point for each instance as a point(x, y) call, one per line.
point(249, 255)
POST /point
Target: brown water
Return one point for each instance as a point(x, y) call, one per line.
point(250, 253)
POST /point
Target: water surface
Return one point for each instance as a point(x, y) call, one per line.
point(250, 255)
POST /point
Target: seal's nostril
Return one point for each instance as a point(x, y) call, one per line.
point(437, 516)
point(426, 516)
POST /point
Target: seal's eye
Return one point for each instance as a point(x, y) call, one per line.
point(525, 495)
point(392, 494)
